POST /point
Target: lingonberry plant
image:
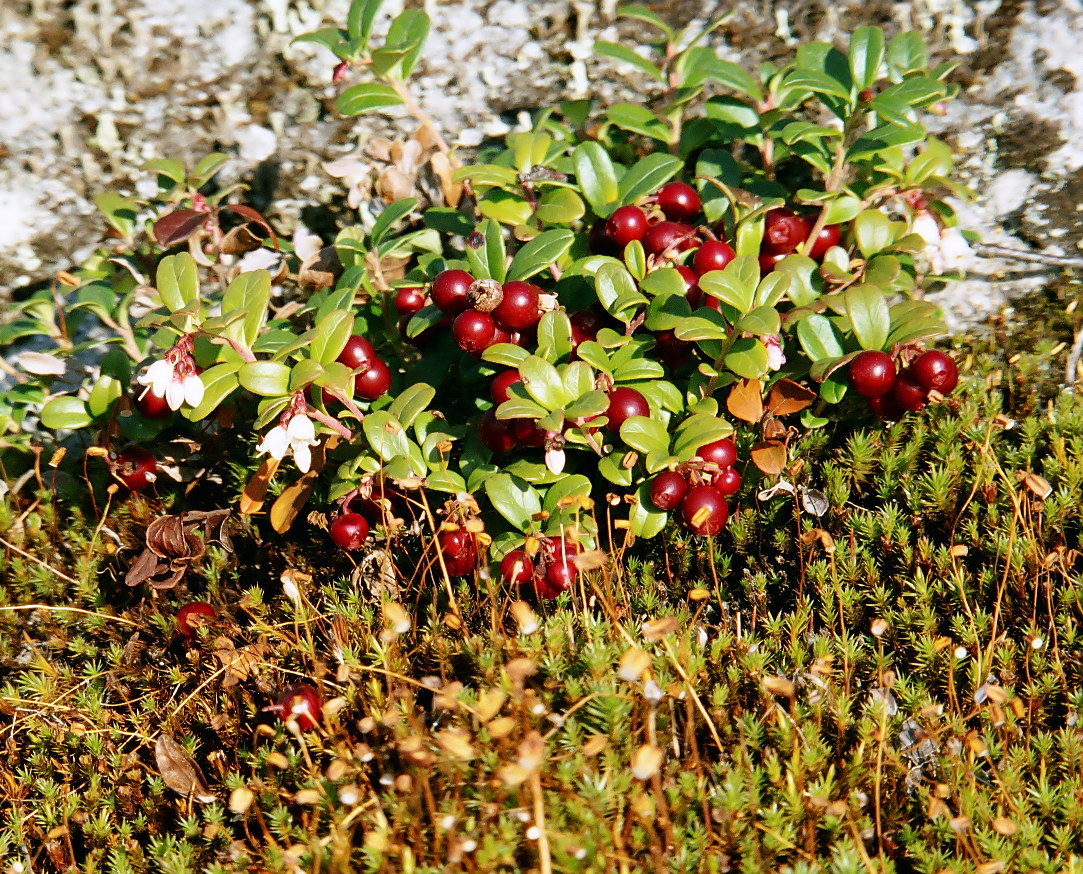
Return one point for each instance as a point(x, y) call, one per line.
point(588, 314)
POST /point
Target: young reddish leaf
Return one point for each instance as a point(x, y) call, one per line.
point(770, 456)
point(788, 397)
point(177, 226)
point(745, 401)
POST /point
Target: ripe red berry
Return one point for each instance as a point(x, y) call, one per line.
point(679, 201)
point(935, 370)
point(712, 255)
point(501, 383)
point(667, 490)
point(518, 311)
point(585, 325)
point(727, 481)
point(527, 433)
point(191, 616)
point(872, 373)
point(769, 260)
point(349, 531)
point(374, 381)
point(516, 568)
point(674, 236)
point(783, 231)
point(357, 352)
point(149, 404)
point(474, 331)
point(624, 403)
point(599, 242)
point(722, 452)
point(704, 509)
point(625, 224)
point(135, 467)
point(449, 290)
point(409, 301)
point(302, 703)
point(672, 351)
point(460, 551)
point(495, 434)
point(829, 236)
point(693, 293)
point(559, 577)
point(886, 407)
point(908, 393)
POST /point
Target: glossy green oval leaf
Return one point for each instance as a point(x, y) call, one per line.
point(367, 97)
point(543, 383)
point(644, 519)
point(645, 434)
point(267, 378)
point(648, 175)
point(873, 232)
point(219, 382)
point(332, 333)
point(762, 321)
point(596, 176)
point(626, 55)
point(177, 281)
point(747, 357)
point(65, 411)
point(818, 338)
point(540, 253)
point(866, 54)
point(868, 312)
point(386, 435)
point(698, 430)
point(560, 206)
point(411, 402)
point(514, 499)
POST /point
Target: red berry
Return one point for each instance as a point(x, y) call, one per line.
point(473, 331)
point(559, 577)
point(872, 374)
point(349, 531)
point(665, 236)
point(934, 370)
point(191, 616)
point(693, 292)
point(721, 452)
point(829, 236)
point(449, 290)
point(672, 351)
point(151, 405)
point(625, 224)
point(409, 301)
point(599, 242)
point(135, 467)
point(712, 255)
point(585, 325)
point(357, 352)
point(704, 509)
point(301, 703)
point(908, 393)
point(460, 551)
point(496, 434)
point(516, 568)
point(667, 490)
point(374, 381)
point(518, 311)
point(783, 231)
point(624, 403)
point(527, 433)
point(727, 481)
point(679, 201)
point(886, 407)
point(501, 383)
point(768, 261)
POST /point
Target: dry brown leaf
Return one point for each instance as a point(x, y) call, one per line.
point(256, 489)
point(646, 761)
point(179, 770)
point(745, 400)
point(238, 664)
point(770, 456)
point(788, 397)
point(456, 743)
point(1039, 485)
point(489, 703)
point(240, 240)
point(444, 171)
point(779, 686)
point(289, 504)
point(320, 270)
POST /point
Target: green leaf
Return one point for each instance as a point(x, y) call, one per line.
point(360, 18)
point(267, 378)
point(520, 408)
point(597, 178)
point(641, 13)
point(65, 411)
point(648, 175)
point(408, 32)
point(636, 259)
point(560, 206)
point(842, 209)
point(885, 137)
point(736, 284)
point(617, 290)
point(906, 53)
point(366, 97)
point(592, 403)
point(818, 338)
point(448, 221)
point(866, 55)
point(177, 280)
point(105, 392)
point(411, 403)
point(506, 208)
point(386, 435)
point(555, 335)
point(644, 519)
point(667, 312)
point(219, 382)
point(803, 274)
point(543, 383)
point(119, 211)
point(170, 168)
point(645, 434)
point(304, 373)
point(610, 467)
point(206, 168)
point(638, 369)
point(762, 321)
point(334, 39)
point(568, 486)
point(496, 255)
point(391, 214)
point(332, 333)
point(663, 282)
point(818, 82)
point(698, 430)
point(747, 357)
point(867, 310)
point(625, 54)
point(507, 354)
point(537, 255)
point(873, 232)
point(725, 73)
point(250, 293)
point(639, 120)
point(423, 319)
point(446, 481)
point(704, 324)
point(514, 499)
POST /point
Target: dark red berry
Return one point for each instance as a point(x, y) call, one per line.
point(872, 374)
point(721, 452)
point(679, 201)
point(908, 393)
point(136, 468)
point(349, 531)
point(727, 481)
point(374, 381)
point(191, 616)
point(357, 352)
point(672, 351)
point(783, 231)
point(625, 224)
point(496, 434)
point(518, 311)
point(667, 490)
point(474, 331)
point(559, 577)
point(704, 510)
point(516, 568)
point(501, 383)
point(600, 243)
point(149, 404)
point(585, 325)
point(886, 407)
point(672, 236)
point(449, 290)
point(527, 433)
point(624, 403)
point(302, 703)
point(409, 301)
point(829, 236)
point(460, 551)
point(712, 255)
point(693, 292)
point(935, 371)
point(768, 262)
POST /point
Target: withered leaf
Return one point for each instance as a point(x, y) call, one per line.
point(321, 269)
point(246, 212)
point(239, 664)
point(745, 400)
point(240, 240)
point(179, 770)
point(787, 397)
point(769, 456)
point(256, 488)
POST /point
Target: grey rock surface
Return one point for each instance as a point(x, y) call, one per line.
point(94, 88)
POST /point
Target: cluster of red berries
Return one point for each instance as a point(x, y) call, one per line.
point(551, 571)
point(373, 376)
point(891, 392)
point(700, 492)
point(784, 230)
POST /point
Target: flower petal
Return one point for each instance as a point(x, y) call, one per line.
point(174, 394)
point(301, 429)
point(193, 390)
point(302, 455)
point(275, 442)
point(159, 375)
